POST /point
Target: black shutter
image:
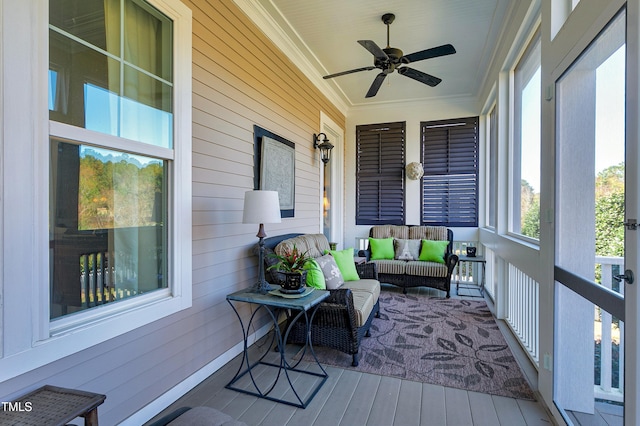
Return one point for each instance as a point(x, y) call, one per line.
point(380, 160)
point(450, 182)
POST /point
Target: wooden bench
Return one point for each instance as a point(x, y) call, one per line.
point(51, 405)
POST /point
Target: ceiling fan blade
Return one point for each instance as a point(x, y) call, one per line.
point(375, 50)
point(375, 86)
point(434, 52)
point(419, 76)
point(349, 72)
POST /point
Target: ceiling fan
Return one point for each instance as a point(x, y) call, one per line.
point(392, 59)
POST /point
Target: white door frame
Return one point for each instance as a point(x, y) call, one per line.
point(632, 211)
point(335, 134)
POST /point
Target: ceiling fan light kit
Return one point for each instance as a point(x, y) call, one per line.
point(392, 59)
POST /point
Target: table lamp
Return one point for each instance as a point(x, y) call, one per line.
point(261, 207)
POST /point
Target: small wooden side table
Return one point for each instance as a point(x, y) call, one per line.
point(51, 405)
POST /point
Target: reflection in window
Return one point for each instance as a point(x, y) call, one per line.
point(53, 83)
point(136, 101)
point(109, 233)
point(139, 122)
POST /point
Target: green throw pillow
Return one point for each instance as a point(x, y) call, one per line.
point(381, 248)
point(433, 251)
point(344, 260)
point(315, 277)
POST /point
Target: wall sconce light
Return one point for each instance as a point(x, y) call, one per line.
point(325, 147)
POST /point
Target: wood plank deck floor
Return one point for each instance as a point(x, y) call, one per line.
point(351, 398)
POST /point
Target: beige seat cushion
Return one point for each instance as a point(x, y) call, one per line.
point(426, 269)
point(363, 304)
point(367, 285)
point(365, 295)
point(391, 266)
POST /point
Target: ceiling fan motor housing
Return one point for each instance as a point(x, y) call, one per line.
point(393, 53)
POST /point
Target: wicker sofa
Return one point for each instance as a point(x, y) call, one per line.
point(414, 273)
point(344, 318)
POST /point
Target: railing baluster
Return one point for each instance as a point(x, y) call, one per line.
point(605, 351)
point(84, 278)
point(605, 334)
point(100, 283)
point(621, 358)
point(94, 282)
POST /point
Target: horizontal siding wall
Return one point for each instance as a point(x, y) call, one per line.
point(239, 79)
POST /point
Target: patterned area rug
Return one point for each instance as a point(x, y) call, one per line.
point(449, 342)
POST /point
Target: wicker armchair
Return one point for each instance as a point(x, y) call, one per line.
point(335, 323)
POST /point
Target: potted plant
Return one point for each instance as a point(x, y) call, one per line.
point(291, 265)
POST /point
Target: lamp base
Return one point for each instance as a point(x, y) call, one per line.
point(261, 287)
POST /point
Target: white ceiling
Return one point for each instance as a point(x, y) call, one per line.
point(327, 31)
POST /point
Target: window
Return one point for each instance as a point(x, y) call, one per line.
point(525, 195)
point(450, 181)
point(492, 167)
point(380, 161)
point(117, 151)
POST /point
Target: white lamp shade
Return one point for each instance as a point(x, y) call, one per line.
point(261, 207)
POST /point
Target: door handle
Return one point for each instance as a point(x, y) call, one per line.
point(627, 276)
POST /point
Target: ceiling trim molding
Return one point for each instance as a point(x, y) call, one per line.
point(508, 17)
point(290, 44)
point(464, 102)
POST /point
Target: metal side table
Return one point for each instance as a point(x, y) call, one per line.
point(475, 259)
point(303, 307)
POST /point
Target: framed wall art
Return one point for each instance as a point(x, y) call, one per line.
point(274, 167)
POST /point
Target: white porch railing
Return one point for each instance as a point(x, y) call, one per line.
point(523, 317)
point(609, 380)
point(465, 272)
point(523, 310)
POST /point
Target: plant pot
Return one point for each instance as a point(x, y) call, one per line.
point(294, 281)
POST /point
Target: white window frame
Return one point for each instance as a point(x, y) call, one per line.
point(29, 339)
point(514, 146)
point(489, 129)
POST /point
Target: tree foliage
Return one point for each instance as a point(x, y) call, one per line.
point(529, 211)
point(531, 219)
point(118, 193)
point(609, 211)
